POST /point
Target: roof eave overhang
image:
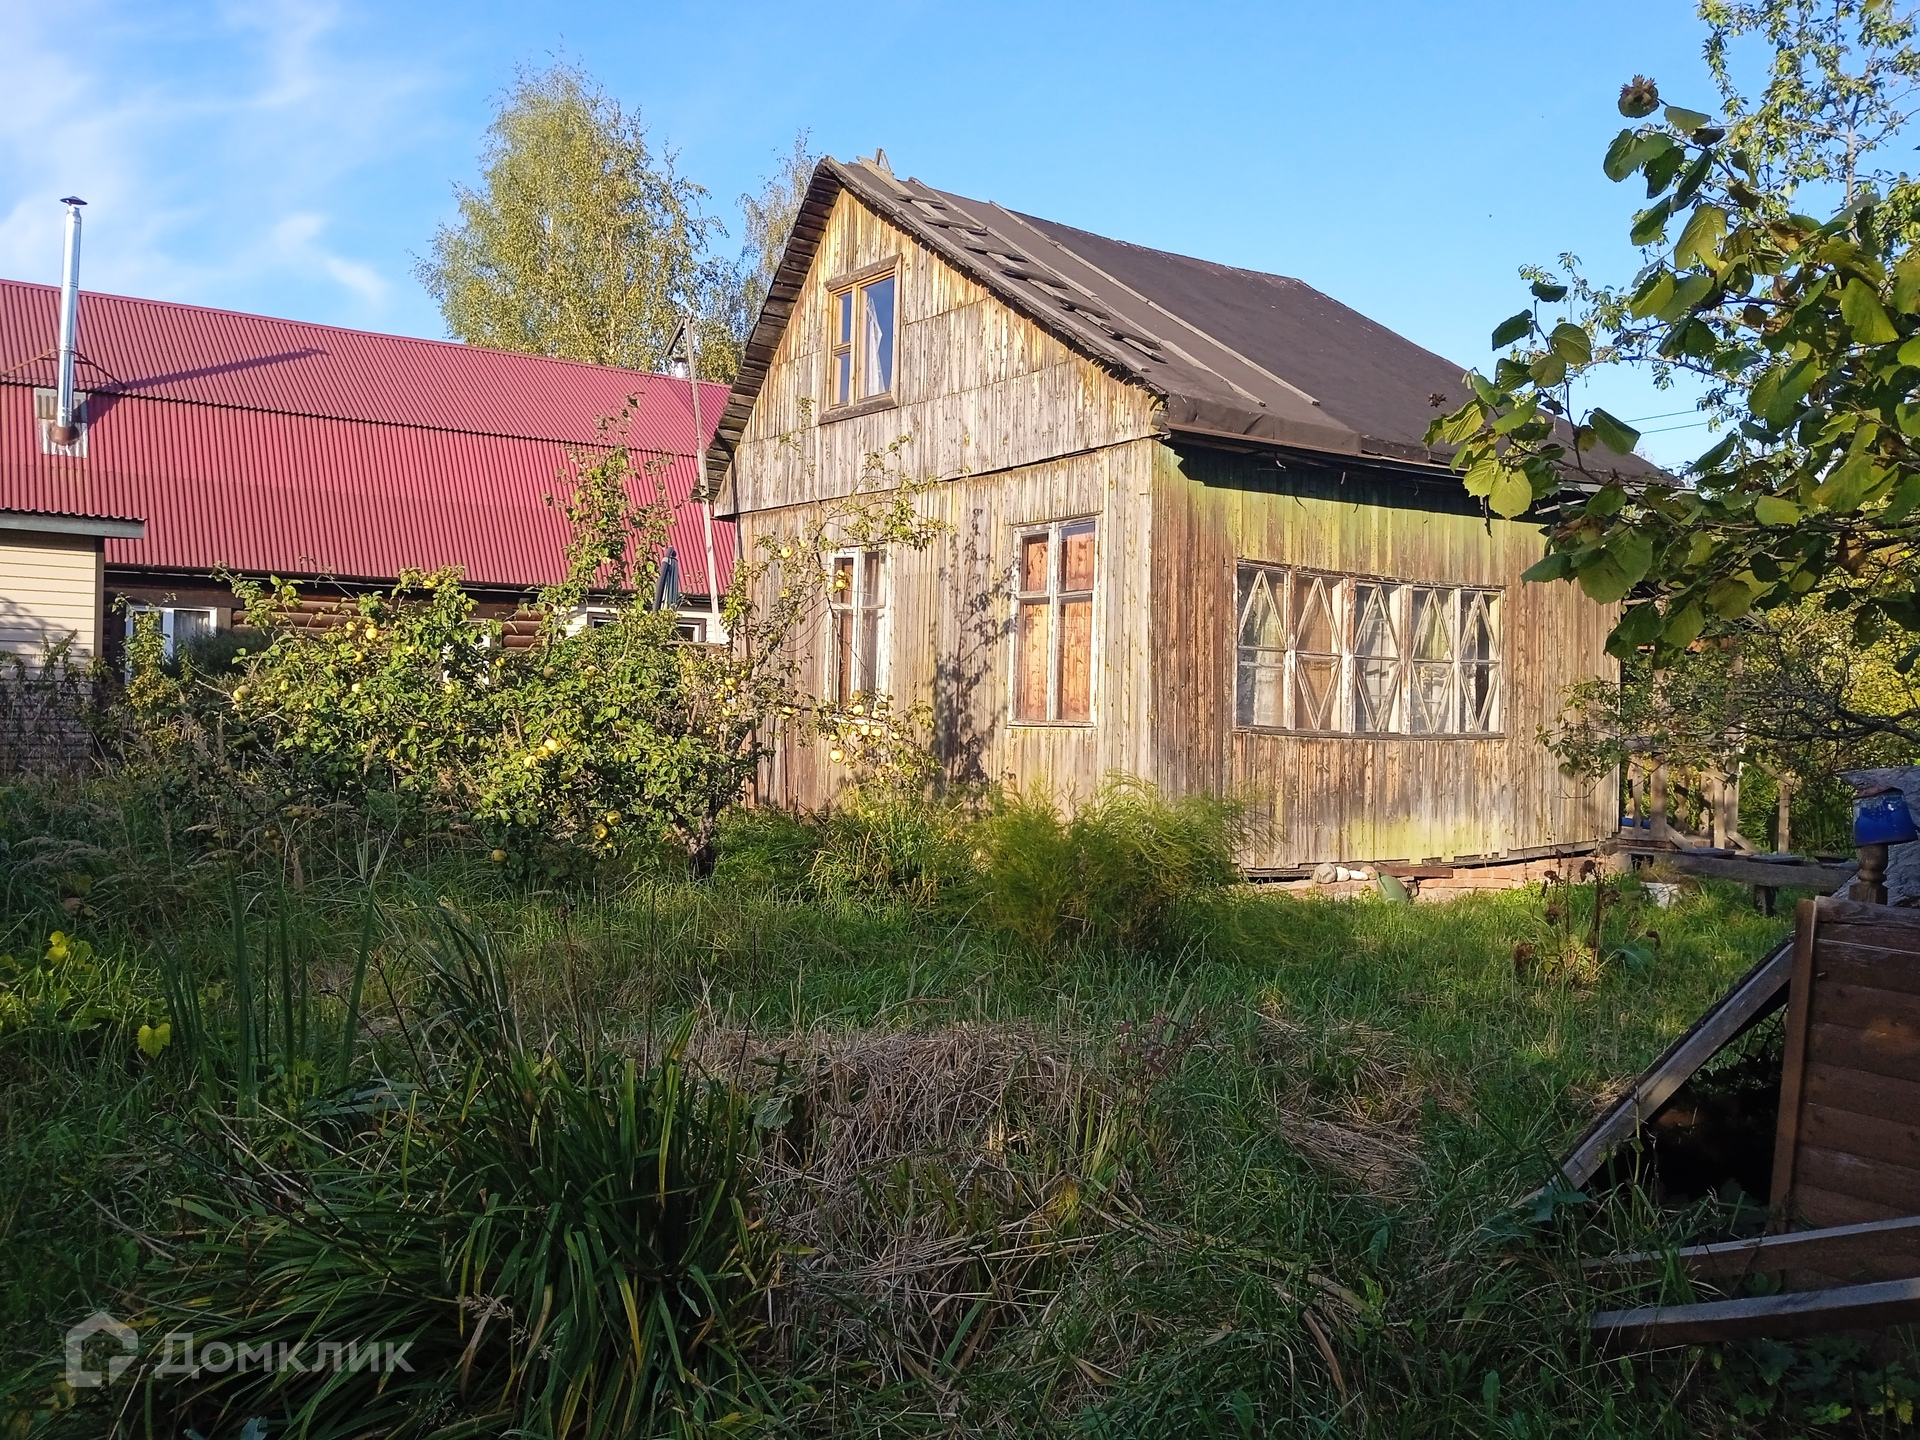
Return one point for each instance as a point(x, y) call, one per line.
point(48, 523)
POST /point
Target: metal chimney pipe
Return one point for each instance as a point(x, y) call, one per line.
point(65, 432)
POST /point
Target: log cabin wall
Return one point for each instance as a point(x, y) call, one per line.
point(1398, 797)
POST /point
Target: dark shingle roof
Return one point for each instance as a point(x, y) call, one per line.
point(1232, 354)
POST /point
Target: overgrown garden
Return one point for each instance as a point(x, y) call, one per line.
point(420, 1028)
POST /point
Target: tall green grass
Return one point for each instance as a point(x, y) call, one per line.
point(1289, 1133)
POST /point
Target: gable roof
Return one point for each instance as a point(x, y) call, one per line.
point(265, 445)
point(1232, 354)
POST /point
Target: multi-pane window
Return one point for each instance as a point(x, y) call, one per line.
point(857, 610)
point(861, 352)
point(1053, 623)
point(1347, 655)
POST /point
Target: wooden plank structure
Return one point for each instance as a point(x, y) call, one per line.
point(1846, 1149)
point(1207, 427)
point(1756, 995)
point(1848, 1146)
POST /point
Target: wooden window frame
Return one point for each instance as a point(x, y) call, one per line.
point(1054, 597)
point(853, 284)
point(869, 620)
point(1345, 592)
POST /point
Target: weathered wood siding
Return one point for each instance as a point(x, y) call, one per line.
point(977, 388)
point(51, 588)
point(1020, 430)
point(949, 622)
point(1378, 798)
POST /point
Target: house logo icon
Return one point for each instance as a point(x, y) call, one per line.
point(99, 1323)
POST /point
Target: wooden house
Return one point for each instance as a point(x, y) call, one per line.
point(1193, 535)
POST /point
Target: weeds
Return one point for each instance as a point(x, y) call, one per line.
point(1243, 1167)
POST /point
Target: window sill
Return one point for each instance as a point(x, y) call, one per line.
point(870, 406)
point(1052, 724)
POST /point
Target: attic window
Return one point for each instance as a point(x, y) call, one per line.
point(862, 317)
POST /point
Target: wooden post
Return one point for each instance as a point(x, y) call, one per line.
point(1783, 841)
point(1660, 835)
point(1637, 792)
point(1870, 885)
point(1713, 790)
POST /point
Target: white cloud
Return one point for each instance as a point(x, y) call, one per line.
point(220, 149)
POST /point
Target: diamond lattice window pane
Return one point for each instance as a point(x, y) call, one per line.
point(1315, 688)
point(1376, 652)
point(1432, 626)
point(1476, 638)
point(1313, 605)
point(1260, 623)
point(1432, 698)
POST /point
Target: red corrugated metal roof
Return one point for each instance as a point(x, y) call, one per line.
point(267, 445)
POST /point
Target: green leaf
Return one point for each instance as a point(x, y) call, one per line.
point(152, 1039)
point(1519, 415)
point(1904, 501)
point(1695, 177)
point(1906, 283)
point(1687, 294)
point(1571, 343)
point(1730, 599)
point(1622, 156)
point(1606, 501)
point(1510, 374)
point(1700, 241)
point(1482, 475)
point(1640, 625)
point(1653, 296)
point(1604, 579)
point(1715, 457)
point(1616, 435)
point(1512, 328)
point(1512, 494)
point(1547, 370)
point(1650, 223)
point(1779, 392)
point(1683, 629)
point(1662, 166)
point(1860, 307)
point(1843, 489)
point(1633, 550)
point(1776, 510)
point(1686, 121)
point(1549, 292)
point(1557, 566)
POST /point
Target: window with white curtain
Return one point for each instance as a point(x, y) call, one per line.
point(861, 341)
point(180, 626)
point(1342, 654)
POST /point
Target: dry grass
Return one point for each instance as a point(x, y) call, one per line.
point(928, 1183)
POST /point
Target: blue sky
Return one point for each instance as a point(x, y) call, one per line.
point(292, 157)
